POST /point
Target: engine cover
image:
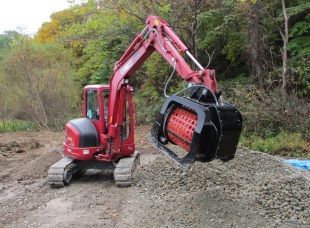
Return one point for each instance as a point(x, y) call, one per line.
point(81, 139)
point(82, 132)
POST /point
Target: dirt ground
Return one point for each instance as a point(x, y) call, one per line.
point(249, 191)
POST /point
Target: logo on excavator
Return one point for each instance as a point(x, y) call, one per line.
point(126, 67)
point(129, 64)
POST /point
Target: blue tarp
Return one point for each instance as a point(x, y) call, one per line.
point(305, 164)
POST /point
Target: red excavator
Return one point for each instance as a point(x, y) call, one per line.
point(195, 120)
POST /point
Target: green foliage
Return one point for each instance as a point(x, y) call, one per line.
point(147, 93)
point(299, 43)
point(299, 72)
point(38, 83)
point(101, 63)
point(98, 39)
point(148, 109)
point(17, 125)
point(6, 40)
point(223, 30)
point(266, 126)
point(263, 113)
point(157, 72)
point(299, 46)
point(295, 7)
point(300, 28)
point(284, 144)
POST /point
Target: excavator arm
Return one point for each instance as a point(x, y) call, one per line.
point(158, 36)
point(199, 122)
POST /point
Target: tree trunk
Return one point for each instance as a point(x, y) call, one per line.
point(284, 55)
point(255, 49)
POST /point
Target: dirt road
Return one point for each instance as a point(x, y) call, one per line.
point(253, 190)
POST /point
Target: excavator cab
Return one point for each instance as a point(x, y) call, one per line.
point(87, 138)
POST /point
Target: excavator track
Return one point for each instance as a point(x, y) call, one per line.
point(125, 170)
point(60, 173)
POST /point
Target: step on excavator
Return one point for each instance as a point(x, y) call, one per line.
point(194, 121)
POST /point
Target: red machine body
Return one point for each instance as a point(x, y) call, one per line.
point(89, 138)
point(94, 137)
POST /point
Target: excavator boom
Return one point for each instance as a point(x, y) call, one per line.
point(197, 121)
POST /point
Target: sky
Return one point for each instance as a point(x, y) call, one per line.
point(28, 14)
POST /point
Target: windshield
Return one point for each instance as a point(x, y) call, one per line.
point(92, 105)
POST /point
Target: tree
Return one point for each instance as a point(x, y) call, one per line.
point(284, 35)
point(97, 33)
point(256, 41)
point(223, 32)
point(182, 16)
point(39, 82)
point(286, 16)
point(6, 40)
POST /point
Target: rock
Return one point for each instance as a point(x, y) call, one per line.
point(19, 150)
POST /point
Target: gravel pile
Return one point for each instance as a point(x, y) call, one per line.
point(252, 190)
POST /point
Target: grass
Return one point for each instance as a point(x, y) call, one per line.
point(284, 144)
point(16, 125)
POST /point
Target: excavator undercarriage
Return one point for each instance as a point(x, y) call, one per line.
point(124, 170)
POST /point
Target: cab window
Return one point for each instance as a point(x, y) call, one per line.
point(92, 106)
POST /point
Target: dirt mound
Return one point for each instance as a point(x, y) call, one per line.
point(254, 188)
point(28, 155)
point(39, 166)
point(12, 148)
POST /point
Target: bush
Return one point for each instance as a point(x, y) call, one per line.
point(263, 114)
point(299, 75)
point(16, 125)
point(267, 126)
point(38, 84)
point(284, 144)
point(148, 110)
